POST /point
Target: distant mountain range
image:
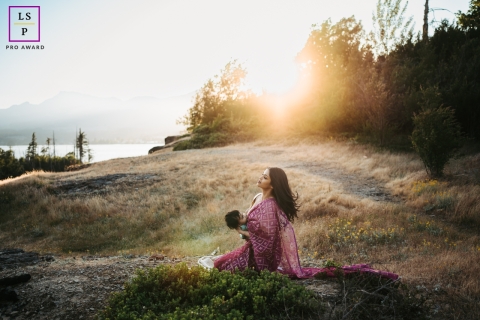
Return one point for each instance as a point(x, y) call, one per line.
point(104, 120)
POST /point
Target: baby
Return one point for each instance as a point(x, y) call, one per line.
point(234, 219)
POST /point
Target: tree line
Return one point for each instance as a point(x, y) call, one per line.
point(46, 159)
point(387, 87)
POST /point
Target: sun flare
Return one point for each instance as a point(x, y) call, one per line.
point(278, 79)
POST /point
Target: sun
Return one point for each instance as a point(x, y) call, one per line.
point(272, 78)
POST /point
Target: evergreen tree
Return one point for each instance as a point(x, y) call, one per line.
point(32, 150)
point(81, 145)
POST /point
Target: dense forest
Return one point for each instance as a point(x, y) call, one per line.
point(379, 86)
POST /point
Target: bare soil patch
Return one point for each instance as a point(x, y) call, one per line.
point(70, 287)
point(103, 184)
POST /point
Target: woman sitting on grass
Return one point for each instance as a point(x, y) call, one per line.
point(271, 243)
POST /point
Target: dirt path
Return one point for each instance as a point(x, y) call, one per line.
point(359, 185)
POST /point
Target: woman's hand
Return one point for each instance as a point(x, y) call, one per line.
point(244, 233)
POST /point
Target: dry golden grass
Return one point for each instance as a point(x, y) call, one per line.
point(174, 202)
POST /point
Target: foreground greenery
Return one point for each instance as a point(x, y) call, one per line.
point(182, 293)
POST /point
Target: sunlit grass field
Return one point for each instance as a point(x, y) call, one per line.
point(425, 230)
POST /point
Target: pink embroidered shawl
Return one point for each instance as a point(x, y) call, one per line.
point(273, 246)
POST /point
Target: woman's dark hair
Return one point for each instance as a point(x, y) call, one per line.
point(232, 218)
point(286, 200)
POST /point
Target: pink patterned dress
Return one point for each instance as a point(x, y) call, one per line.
point(272, 246)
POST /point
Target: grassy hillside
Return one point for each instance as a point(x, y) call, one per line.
point(358, 205)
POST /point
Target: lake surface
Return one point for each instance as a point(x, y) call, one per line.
point(100, 152)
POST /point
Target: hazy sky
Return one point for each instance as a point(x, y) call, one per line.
point(160, 48)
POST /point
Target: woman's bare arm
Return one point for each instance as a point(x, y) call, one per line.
point(254, 202)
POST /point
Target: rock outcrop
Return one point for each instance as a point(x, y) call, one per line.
point(170, 141)
point(14, 258)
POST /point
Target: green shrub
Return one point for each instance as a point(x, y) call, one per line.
point(177, 292)
point(429, 226)
point(218, 133)
point(182, 145)
point(435, 138)
point(9, 165)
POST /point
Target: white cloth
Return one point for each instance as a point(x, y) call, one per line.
point(206, 262)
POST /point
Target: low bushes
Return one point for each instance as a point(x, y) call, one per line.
point(204, 136)
point(181, 293)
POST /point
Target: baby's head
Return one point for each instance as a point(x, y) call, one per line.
point(234, 219)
